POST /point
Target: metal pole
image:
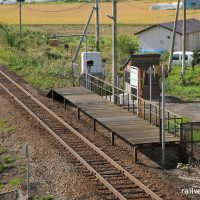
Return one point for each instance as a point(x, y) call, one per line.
point(114, 49)
point(150, 80)
point(163, 116)
point(27, 168)
point(97, 24)
point(184, 37)
point(20, 17)
point(82, 37)
point(173, 37)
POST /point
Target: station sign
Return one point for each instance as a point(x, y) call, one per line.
point(134, 77)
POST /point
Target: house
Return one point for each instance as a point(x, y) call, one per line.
point(141, 78)
point(157, 38)
point(193, 4)
point(190, 4)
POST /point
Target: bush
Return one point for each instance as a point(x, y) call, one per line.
point(127, 45)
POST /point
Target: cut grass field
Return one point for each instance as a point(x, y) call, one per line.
point(77, 13)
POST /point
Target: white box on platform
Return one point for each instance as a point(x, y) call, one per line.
point(91, 63)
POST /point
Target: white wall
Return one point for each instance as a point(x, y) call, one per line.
point(194, 41)
point(157, 38)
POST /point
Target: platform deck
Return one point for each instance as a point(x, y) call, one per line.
point(125, 125)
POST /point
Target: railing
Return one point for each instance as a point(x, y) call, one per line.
point(143, 108)
point(190, 139)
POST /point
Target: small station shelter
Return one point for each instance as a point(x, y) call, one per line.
point(136, 75)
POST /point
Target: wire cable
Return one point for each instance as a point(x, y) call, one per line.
point(55, 11)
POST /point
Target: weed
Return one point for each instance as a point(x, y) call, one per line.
point(2, 150)
point(183, 166)
point(19, 146)
point(7, 159)
point(5, 127)
point(1, 186)
point(46, 197)
point(14, 182)
point(1, 168)
point(19, 157)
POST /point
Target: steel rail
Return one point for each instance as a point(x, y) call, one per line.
point(111, 161)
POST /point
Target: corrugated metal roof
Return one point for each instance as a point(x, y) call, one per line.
point(192, 26)
point(143, 60)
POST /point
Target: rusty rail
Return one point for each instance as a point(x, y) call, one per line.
point(83, 139)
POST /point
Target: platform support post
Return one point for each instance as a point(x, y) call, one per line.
point(78, 113)
point(94, 124)
point(65, 103)
point(52, 95)
point(135, 152)
point(112, 138)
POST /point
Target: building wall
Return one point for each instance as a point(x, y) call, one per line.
point(158, 38)
point(194, 41)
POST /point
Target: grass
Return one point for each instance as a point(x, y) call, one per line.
point(5, 127)
point(1, 186)
point(14, 182)
point(1, 168)
point(188, 89)
point(45, 197)
point(7, 159)
point(136, 12)
point(2, 150)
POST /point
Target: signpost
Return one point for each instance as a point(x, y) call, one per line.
point(134, 77)
point(27, 169)
point(134, 83)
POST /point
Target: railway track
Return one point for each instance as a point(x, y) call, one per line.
point(117, 182)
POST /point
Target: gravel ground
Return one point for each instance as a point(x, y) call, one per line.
point(53, 170)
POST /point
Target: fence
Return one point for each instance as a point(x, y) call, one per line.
point(143, 108)
point(190, 139)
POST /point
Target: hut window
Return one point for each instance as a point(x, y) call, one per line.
point(126, 76)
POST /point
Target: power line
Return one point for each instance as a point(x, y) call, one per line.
point(55, 11)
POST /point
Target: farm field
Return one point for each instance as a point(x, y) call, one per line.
point(77, 13)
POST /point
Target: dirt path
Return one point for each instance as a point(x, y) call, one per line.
point(190, 110)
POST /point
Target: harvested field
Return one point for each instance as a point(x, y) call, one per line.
point(77, 13)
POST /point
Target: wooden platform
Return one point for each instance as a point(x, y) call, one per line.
point(128, 127)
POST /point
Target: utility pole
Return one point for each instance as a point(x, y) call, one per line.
point(173, 37)
point(20, 16)
point(97, 24)
point(183, 37)
point(163, 116)
point(114, 50)
point(82, 37)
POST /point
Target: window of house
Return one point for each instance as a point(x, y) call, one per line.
point(175, 56)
